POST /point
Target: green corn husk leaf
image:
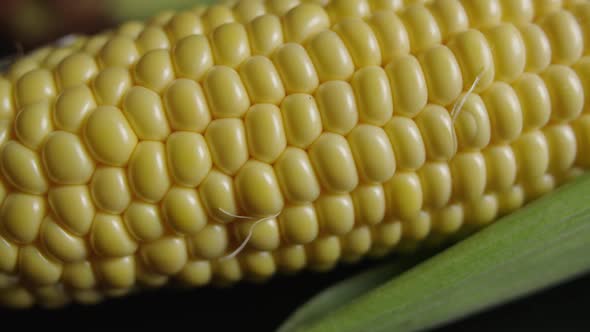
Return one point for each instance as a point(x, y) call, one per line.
point(540, 245)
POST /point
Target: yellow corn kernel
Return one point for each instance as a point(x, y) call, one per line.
point(252, 137)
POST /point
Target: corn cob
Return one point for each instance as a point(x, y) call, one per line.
point(128, 157)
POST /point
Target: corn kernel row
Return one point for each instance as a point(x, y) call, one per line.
point(126, 156)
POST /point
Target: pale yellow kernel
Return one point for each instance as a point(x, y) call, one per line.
point(226, 139)
point(186, 106)
point(333, 162)
point(510, 199)
point(6, 131)
point(16, 298)
point(144, 111)
point(7, 110)
point(152, 38)
point(262, 81)
point(532, 155)
point(109, 237)
point(265, 233)
point(66, 159)
point(504, 111)
point(96, 43)
point(33, 123)
point(534, 101)
point(216, 15)
point(472, 124)
point(184, 24)
point(131, 28)
point(582, 12)
point(210, 243)
point(22, 168)
point(501, 167)
point(117, 273)
point(443, 75)
point(369, 204)
point(148, 171)
point(342, 9)
point(291, 259)
point(257, 189)
point(437, 184)
point(60, 244)
point(565, 91)
point(422, 28)
point(8, 256)
point(143, 221)
point(227, 271)
point(447, 220)
point(582, 69)
point(565, 36)
point(408, 85)
point(299, 223)
point(562, 145)
point(324, 252)
point(301, 119)
point(417, 228)
point(536, 187)
point(218, 197)
point(330, 57)
point(372, 152)
point(196, 273)
point(406, 141)
point(76, 69)
point(188, 158)
point(154, 70)
point(38, 269)
point(387, 234)
point(436, 127)
point(450, 16)
point(72, 107)
point(383, 5)
point(356, 243)
point(517, 11)
point(391, 34)
point(469, 175)
point(264, 132)
point(537, 46)
point(110, 190)
point(481, 211)
point(166, 256)
point(296, 176)
point(110, 85)
point(483, 13)
point(474, 55)
point(247, 10)
point(582, 128)
point(79, 275)
point(192, 57)
point(73, 207)
point(304, 21)
point(373, 95)
point(408, 205)
point(296, 68)
point(21, 216)
point(35, 86)
point(337, 106)
point(21, 67)
point(280, 7)
point(508, 51)
point(183, 211)
point(109, 136)
point(335, 213)
point(265, 34)
point(119, 51)
point(226, 93)
point(229, 43)
point(258, 265)
point(360, 40)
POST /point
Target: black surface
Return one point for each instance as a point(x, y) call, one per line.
point(251, 307)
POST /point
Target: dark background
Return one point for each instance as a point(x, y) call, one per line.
point(245, 307)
